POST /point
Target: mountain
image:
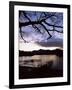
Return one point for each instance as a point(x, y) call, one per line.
point(57, 52)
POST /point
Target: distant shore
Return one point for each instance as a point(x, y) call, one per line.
point(57, 52)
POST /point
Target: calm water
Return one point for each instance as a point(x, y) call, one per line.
point(54, 61)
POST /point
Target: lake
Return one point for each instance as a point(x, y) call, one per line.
point(40, 60)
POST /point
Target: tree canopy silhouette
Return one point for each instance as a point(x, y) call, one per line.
point(41, 22)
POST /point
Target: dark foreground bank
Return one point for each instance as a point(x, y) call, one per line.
point(40, 72)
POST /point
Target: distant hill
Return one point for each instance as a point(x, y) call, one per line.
point(57, 52)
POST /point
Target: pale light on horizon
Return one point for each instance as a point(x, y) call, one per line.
point(33, 46)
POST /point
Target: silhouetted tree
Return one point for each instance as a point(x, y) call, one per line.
point(47, 21)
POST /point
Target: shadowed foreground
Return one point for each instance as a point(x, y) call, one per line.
point(39, 72)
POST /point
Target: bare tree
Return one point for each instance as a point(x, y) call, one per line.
point(48, 21)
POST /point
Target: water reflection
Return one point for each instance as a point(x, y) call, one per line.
point(52, 61)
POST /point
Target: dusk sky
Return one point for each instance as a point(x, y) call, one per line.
point(36, 40)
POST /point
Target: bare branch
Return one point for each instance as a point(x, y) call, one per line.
point(52, 25)
point(36, 22)
point(26, 16)
point(55, 30)
point(22, 35)
point(34, 26)
point(47, 31)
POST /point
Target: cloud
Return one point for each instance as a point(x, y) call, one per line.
point(31, 35)
point(51, 43)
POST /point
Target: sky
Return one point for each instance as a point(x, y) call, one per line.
point(34, 39)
